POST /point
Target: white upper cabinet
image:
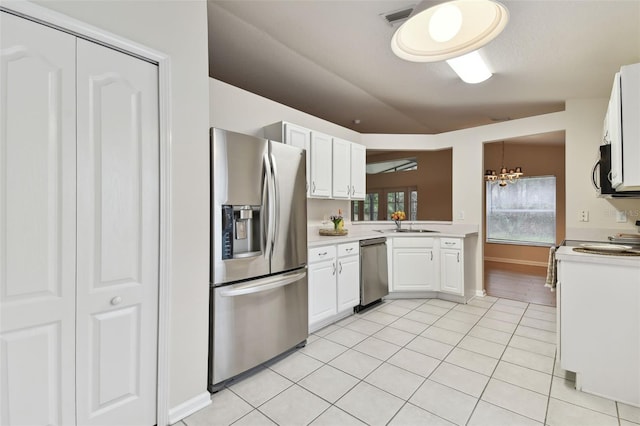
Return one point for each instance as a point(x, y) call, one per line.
point(358, 171)
point(297, 136)
point(630, 84)
point(341, 187)
point(321, 160)
point(336, 168)
point(622, 129)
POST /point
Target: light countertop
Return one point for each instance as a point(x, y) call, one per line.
point(359, 232)
point(566, 253)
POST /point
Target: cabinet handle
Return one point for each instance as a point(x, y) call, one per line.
point(116, 300)
point(334, 268)
point(349, 249)
point(458, 257)
point(340, 271)
point(448, 243)
point(348, 190)
point(431, 255)
point(313, 187)
point(324, 253)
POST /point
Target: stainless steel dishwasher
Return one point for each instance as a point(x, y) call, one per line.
point(374, 277)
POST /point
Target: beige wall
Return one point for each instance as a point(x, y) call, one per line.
point(179, 29)
point(536, 160)
point(432, 180)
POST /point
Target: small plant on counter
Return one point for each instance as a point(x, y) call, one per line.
point(337, 220)
point(397, 217)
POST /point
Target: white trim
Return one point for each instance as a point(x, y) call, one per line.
point(62, 22)
point(481, 293)
point(515, 261)
point(189, 407)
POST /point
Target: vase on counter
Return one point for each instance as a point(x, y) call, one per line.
point(398, 224)
point(338, 225)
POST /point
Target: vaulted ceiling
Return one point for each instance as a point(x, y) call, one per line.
point(332, 59)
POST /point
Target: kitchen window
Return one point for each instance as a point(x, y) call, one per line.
point(379, 204)
point(523, 212)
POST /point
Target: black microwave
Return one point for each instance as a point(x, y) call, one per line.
point(601, 177)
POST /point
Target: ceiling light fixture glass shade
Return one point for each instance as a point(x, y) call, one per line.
point(448, 30)
point(470, 68)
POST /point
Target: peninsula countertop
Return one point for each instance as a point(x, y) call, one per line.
point(358, 231)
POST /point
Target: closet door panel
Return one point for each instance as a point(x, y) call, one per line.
point(37, 223)
point(118, 184)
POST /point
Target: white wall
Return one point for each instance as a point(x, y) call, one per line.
point(179, 29)
point(582, 120)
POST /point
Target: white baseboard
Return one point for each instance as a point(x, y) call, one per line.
point(481, 293)
point(189, 407)
point(516, 261)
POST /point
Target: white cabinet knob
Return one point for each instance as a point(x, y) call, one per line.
point(116, 300)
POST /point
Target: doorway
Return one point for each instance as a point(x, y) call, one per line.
point(524, 218)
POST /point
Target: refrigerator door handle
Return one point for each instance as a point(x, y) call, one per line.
point(264, 284)
point(267, 234)
point(276, 204)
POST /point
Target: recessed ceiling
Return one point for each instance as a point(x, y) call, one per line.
point(332, 59)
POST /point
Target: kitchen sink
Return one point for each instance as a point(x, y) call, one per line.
point(403, 230)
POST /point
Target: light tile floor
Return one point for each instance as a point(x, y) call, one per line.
point(420, 362)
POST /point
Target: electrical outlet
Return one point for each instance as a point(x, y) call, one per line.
point(621, 216)
point(584, 216)
point(461, 215)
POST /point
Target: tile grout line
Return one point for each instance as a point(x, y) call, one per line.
point(424, 379)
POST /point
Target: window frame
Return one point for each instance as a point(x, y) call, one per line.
point(522, 242)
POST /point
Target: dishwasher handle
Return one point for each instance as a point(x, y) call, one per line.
point(373, 241)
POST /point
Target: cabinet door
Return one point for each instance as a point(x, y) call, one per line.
point(451, 271)
point(358, 171)
point(341, 187)
point(118, 220)
point(348, 282)
point(321, 170)
point(37, 224)
point(414, 269)
point(301, 138)
point(322, 290)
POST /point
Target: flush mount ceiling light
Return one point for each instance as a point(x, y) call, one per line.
point(448, 30)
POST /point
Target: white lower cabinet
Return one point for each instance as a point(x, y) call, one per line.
point(334, 276)
point(415, 264)
point(440, 265)
point(451, 266)
point(348, 276)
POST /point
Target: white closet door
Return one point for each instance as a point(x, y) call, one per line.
point(117, 288)
point(37, 224)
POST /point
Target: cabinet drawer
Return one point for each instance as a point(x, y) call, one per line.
point(409, 242)
point(317, 254)
point(454, 243)
point(348, 249)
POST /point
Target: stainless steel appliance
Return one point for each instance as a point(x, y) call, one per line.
point(258, 303)
point(374, 279)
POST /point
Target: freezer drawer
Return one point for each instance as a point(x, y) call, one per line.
point(255, 321)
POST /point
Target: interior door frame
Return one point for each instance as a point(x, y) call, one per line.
point(80, 29)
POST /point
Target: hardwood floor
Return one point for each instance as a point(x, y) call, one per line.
point(518, 282)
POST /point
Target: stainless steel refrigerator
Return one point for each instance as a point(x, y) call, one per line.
point(258, 298)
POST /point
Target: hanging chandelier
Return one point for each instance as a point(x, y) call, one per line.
point(505, 176)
